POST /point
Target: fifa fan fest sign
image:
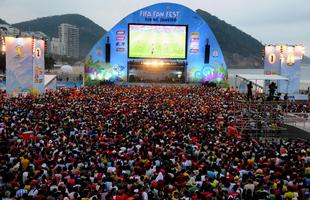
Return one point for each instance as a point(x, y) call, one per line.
point(284, 60)
point(157, 34)
point(24, 66)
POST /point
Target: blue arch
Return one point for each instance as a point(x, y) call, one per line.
point(96, 67)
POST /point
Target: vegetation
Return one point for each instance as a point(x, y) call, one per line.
point(49, 62)
point(2, 63)
point(66, 60)
point(306, 60)
point(90, 32)
point(3, 22)
point(239, 48)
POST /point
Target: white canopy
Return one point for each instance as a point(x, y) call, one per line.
point(252, 77)
point(49, 78)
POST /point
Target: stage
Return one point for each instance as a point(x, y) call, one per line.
point(165, 42)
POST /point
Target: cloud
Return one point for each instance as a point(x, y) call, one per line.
point(258, 18)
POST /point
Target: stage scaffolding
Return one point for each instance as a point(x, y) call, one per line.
point(259, 118)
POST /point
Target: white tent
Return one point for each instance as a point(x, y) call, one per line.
point(253, 77)
point(259, 79)
point(50, 82)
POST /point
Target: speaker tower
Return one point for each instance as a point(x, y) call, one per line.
point(107, 51)
point(207, 52)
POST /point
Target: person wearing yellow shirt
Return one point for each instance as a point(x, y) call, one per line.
point(307, 170)
point(289, 195)
point(24, 162)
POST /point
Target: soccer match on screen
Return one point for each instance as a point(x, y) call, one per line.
point(149, 41)
point(153, 100)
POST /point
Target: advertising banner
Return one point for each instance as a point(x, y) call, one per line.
point(19, 68)
point(38, 66)
point(194, 42)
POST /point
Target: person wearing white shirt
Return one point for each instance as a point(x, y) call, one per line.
point(20, 193)
point(25, 176)
point(145, 196)
point(33, 192)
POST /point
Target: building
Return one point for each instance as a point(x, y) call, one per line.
point(69, 38)
point(56, 47)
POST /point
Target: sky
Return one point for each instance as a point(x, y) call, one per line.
point(269, 21)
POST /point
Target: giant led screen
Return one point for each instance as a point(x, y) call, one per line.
point(157, 41)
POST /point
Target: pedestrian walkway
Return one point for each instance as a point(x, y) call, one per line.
point(299, 121)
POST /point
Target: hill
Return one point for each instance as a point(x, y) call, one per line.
point(90, 32)
point(306, 61)
point(3, 22)
point(240, 49)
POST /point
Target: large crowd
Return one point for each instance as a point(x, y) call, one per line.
point(152, 142)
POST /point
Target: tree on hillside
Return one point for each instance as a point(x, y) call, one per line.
point(49, 62)
point(2, 63)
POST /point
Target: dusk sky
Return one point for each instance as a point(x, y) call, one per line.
point(269, 21)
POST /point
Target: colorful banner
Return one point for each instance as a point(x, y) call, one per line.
point(38, 66)
point(18, 65)
point(194, 42)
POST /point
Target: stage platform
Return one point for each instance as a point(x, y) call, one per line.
point(156, 84)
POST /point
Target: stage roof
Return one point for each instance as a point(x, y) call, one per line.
point(262, 77)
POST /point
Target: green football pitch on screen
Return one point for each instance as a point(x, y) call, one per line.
point(154, 41)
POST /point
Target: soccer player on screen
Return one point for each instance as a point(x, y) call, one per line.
point(153, 49)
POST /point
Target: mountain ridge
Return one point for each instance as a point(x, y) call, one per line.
point(240, 49)
point(89, 31)
point(3, 21)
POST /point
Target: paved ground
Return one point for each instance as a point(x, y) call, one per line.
point(297, 126)
point(295, 132)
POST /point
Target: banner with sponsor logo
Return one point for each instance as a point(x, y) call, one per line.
point(38, 66)
point(18, 65)
point(24, 66)
point(194, 43)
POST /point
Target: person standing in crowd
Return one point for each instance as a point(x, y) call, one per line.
point(250, 94)
point(272, 90)
point(285, 97)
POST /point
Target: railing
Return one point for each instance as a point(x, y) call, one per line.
point(259, 117)
point(301, 120)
